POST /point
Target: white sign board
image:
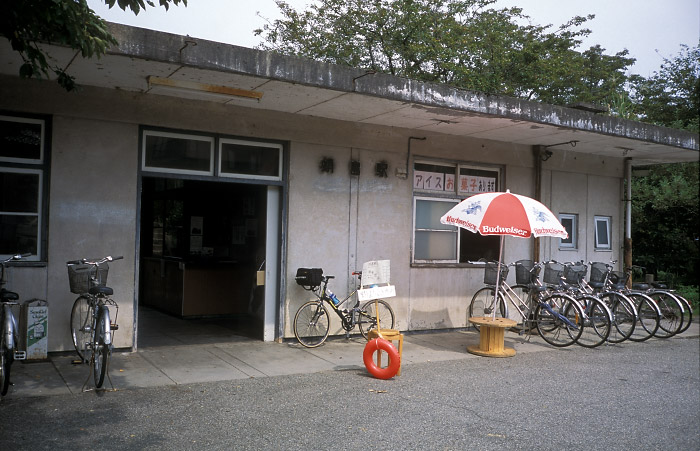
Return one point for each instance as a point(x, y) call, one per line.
point(376, 273)
point(368, 294)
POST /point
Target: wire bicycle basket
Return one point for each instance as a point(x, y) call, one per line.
point(490, 273)
point(82, 277)
point(575, 273)
point(553, 272)
point(523, 272)
point(598, 272)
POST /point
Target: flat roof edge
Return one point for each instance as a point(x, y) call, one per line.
point(190, 51)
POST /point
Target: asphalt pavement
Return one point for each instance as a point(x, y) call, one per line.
point(247, 394)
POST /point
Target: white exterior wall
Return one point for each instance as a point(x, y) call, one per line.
point(334, 221)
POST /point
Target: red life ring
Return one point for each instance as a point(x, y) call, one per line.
point(379, 344)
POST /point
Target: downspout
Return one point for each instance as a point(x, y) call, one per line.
point(628, 214)
point(537, 154)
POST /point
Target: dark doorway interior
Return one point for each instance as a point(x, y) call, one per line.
point(201, 245)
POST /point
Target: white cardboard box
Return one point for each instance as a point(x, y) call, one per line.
point(34, 329)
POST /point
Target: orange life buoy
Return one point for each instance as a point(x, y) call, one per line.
point(379, 344)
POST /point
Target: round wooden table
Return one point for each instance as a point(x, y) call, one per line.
point(491, 337)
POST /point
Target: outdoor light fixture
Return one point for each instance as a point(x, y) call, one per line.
point(326, 165)
point(354, 167)
point(381, 168)
point(203, 91)
point(547, 154)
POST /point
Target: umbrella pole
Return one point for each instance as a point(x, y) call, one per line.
point(498, 279)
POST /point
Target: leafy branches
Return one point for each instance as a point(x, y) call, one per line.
point(465, 43)
point(28, 24)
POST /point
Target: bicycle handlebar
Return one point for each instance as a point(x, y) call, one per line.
point(16, 257)
point(85, 261)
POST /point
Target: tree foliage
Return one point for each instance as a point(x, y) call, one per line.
point(464, 43)
point(665, 230)
point(671, 97)
point(29, 23)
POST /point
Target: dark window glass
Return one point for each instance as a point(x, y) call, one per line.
point(19, 192)
point(18, 234)
point(183, 154)
point(248, 159)
point(20, 140)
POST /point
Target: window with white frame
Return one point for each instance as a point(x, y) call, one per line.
point(174, 152)
point(23, 169)
point(250, 159)
point(437, 187)
point(602, 232)
point(177, 153)
point(570, 223)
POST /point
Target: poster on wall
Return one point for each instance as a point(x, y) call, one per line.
point(196, 232)
point(476, 180)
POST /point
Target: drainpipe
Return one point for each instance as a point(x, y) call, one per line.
point(537, 154)
point(628, 214)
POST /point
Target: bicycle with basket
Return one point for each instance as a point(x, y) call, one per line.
point(556, 316)
point(312, 319)
point(90, 321)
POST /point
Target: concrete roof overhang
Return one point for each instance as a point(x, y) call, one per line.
point(300, 86)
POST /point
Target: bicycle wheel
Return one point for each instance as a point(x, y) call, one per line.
point(559, 320)
point(482, 305)
point(5, 363)
point(671, 318)
point(100, 349)
point(687, 313)
point(648, 315)
point(597, 322)
point(624, 316)
point(81, 325)
point(369, 314)
point(311, 324)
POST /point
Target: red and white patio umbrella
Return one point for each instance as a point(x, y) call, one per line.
point(504, 214)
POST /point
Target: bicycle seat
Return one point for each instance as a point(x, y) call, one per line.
point(7, 295)
point(107, 291)
point(640, 286)
point(596, 284)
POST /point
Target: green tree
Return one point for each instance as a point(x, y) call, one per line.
point(665, 220)
point(29, 23)
point(671, 97)
point(463, 43)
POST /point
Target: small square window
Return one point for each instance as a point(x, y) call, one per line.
point(570, 223)
point(602, 232)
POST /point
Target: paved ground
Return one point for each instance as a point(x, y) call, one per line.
point(210, 357)
point(252, 395)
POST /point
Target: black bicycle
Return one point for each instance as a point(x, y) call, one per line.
point(312, 321)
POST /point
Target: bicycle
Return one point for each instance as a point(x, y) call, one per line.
point(648, 312)
point(674, 312)
point(600, 313)
point(9, 340)
point(556, 316)
point(90, 323)
point(312, 321)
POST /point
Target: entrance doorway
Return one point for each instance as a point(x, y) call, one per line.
point(202, 244)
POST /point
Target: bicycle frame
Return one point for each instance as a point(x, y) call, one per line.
point(348, 317)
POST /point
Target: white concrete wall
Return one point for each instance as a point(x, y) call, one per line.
point(335, 221)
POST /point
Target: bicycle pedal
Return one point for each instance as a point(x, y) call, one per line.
point(20, 355)
point(114, 326)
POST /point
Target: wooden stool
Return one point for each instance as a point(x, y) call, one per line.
point(491, 337)
point(390, 335)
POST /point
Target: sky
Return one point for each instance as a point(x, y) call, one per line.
point(650, 29)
